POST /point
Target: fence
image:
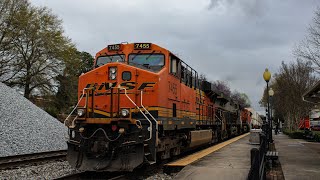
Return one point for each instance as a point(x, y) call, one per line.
point(257, 170)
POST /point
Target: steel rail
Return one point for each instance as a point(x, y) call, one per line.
point(93, 175)
point(10, 162)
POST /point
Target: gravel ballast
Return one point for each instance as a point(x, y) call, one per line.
point(50, 170)
point(26, 128)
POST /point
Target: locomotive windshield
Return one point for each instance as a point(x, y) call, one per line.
point(102, 60)
point(153, 62)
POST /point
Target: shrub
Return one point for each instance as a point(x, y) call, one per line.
point(297, 135)
point(317, 136)
point(286, 131)
point(53, 111)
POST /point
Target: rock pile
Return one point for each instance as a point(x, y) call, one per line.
point(26, 128)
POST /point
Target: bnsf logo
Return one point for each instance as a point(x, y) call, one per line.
point(127, 85)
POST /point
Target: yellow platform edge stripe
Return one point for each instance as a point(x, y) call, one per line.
point(195, 156)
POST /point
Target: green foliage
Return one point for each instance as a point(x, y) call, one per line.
point(317, 137)
point(52, 110)
point(87, 61)
point(68, 81)
point(37, 57)
point(298, 134)
point(40, 50)
point(9, 11)
point(301, 134)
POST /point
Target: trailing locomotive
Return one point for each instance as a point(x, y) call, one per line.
point(141, 103)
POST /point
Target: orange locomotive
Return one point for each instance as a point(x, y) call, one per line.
point(246, 119)
point(141, 103)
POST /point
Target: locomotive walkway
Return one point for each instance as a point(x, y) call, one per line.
point(299, 159)
point(229, 162)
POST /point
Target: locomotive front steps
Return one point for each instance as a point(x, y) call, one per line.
point(148, 155)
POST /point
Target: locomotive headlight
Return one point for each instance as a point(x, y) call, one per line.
point(113, 76)
point(80, 112)
point(113, 70)
point(121, 130)
point(124, 112)
point(81, 130)
point(112, 73)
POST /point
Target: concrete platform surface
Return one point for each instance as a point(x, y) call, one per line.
point(299, 159)
point(229, 162)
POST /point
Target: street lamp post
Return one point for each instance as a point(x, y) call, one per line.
point(267, 77)
point(271, 93)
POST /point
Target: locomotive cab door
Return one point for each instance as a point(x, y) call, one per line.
point(174, 93)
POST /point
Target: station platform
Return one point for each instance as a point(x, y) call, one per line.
point(299, 159)
point(229, 162)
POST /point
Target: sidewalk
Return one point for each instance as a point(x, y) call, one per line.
point(299, 159)
point(230, 162)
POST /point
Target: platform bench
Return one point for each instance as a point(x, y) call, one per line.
point(273, 155)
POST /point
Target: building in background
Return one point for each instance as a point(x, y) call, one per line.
point(256, 121)
point(313, 121)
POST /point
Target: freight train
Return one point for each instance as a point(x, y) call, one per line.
point(141, 104)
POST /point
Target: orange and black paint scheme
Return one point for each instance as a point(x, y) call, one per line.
point(141, 103)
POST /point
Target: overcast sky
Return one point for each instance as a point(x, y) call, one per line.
point(230, 40)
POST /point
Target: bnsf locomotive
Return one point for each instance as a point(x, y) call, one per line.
point(141, 103)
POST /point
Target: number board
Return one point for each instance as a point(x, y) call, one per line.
point(142, 46)
point(114, 47)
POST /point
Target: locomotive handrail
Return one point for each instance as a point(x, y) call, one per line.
point(75, 107)
point(150, 132)
point(148, 111)
point(218, 118)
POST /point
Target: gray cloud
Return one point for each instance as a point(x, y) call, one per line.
point(249, 7)
point(233, 40)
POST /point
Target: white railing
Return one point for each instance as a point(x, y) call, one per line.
point(75, 107)
point(148, 112)
point(151, 129)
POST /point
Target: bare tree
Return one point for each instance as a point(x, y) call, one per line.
point(222, 86)
point(309, 49)
point(289, 84)
point(241, 98)
point(202, 77)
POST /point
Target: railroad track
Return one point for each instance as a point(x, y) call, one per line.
point(141, 172)
point(11, 162)
point(95, 175)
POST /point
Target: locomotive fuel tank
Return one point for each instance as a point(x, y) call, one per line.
point(200, 137)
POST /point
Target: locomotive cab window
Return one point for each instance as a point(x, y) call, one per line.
point(102, 60)
point(174, 66)
point(183, 73)
point(152, 62)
